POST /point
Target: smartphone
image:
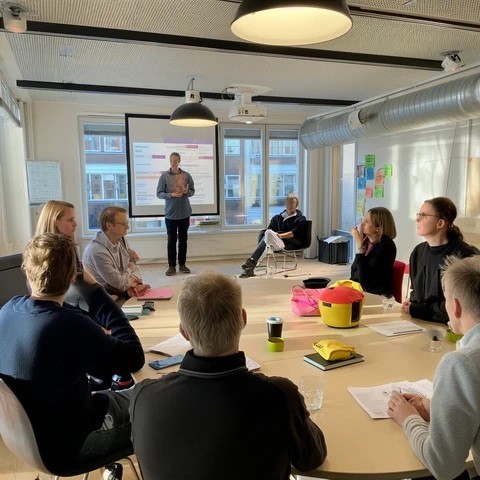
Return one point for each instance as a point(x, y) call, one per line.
point(131, 317)
point(149, 305)
point(166, 362)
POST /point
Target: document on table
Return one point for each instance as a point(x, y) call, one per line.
point(393, 329)
point(374, 400)
point(178, 345)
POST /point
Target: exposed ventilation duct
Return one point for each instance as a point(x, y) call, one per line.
point(441, 104)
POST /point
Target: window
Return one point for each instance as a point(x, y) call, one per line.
point(347, 188)
point(246, 188)
point(114, 144)
point(232, 186)
point(92, 143)
point(106, 173)
point(284, 165)
point(232, 146)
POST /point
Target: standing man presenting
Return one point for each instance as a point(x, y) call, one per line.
point(176, 186)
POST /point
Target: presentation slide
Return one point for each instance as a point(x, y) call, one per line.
point(151, 140)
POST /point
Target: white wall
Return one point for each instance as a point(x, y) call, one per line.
point(14, 212)
point(55, 137)
point(426, 163)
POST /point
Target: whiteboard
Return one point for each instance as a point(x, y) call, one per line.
point(44, 181)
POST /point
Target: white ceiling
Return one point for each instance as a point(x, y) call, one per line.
point(159, 63)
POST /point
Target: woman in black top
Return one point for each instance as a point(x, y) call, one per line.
point(443, 238)
point(375, 252)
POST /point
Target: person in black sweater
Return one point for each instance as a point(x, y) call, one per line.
point(47, 347)
point(443, 238)
point(376, 252)
point(213, 419)
point(284, 231)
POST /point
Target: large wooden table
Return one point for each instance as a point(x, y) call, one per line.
point(358, 446)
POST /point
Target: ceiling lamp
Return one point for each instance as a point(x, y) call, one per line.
point(192, 113)
point(15, 18)
point(291, 22)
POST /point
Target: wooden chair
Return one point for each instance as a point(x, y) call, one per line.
point(17, 433)
point(289, 256)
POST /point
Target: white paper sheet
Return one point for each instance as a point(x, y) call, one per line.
point(374, 400)
point(395, 328)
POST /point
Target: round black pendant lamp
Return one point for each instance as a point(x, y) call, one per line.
point(291, 22)
point(192, 113)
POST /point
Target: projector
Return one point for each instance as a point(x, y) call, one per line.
point(247, 113)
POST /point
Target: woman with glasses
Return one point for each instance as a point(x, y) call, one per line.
point(376, 252)
point(442, 238)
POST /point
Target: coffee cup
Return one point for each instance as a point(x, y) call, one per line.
point(274, 326)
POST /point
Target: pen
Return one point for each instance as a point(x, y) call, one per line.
point(406, 331)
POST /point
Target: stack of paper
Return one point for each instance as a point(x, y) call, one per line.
point(392, 329)
point(374, 400)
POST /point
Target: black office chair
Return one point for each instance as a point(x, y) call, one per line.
point(17, 433)
point(289, 256)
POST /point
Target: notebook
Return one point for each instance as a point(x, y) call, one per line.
point(318, 361)
point(392, 329)
point(157, 294)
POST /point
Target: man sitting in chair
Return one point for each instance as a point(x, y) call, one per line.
point(213, 418)
point(284, 231)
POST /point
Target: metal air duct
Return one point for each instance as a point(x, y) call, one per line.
point(441, 104)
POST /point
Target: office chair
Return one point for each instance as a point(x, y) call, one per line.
point(290, 256)
point(398, 272)
point(17, 433)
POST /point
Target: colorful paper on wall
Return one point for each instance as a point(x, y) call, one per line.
point(378, 191)
point(370, 173)
point(361, 183)
point(360, 171)
point(360, 203)
point(379, 177)
point(370, 161)
point(369, 192)
point(388, 170)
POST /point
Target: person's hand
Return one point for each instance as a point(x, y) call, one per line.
point(142, 287)
point(421, 405)
point(186, 188)
point(176, 194)
point(406, 306)
point(357, 237)
point(399, 408)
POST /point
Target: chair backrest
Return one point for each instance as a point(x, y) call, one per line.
point(398, 271)
point(12, 279)
point(16, 429)
point(307, 234)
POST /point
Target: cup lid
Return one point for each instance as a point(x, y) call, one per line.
point(274, 319)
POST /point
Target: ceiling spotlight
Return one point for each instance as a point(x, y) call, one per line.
point(452, 61)
point(291, 22)
point(192, 113)
point(15, 18)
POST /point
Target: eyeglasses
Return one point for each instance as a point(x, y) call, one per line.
point(121, 223)
point(422, 215)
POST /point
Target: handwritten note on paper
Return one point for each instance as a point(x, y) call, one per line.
point(374, 400)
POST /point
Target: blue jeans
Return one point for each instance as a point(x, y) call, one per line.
point(177, 229)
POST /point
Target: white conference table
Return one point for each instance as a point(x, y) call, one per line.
point(358, 446)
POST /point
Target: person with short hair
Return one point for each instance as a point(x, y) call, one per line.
point(47, 348)
point(176, 186)
point(284, 231)
point(442, 431)
point(109, 257)
point(435, 223)
point(213, 418)
point(375, 252)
